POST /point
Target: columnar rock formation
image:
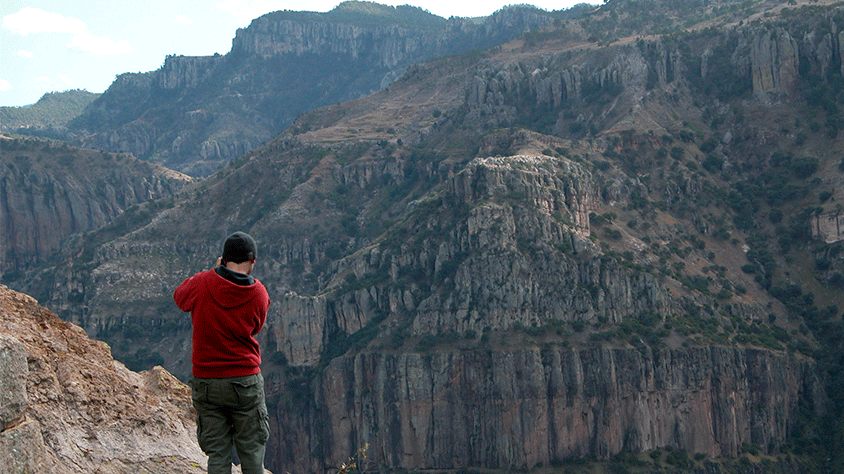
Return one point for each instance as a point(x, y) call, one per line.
point(519, 408)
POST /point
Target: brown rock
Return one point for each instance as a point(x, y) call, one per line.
point(13, 375)
point(67, 406)
point(515, 409)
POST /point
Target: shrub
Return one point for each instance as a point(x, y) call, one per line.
point(824, 196)
point(804, 167)
point(679, 458)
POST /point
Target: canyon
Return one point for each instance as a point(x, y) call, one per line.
point(594, 240)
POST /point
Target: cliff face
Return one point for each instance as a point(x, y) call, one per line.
point(49, 192)
point(495, 268)
point(67, 406)
point(828, 227)
point(475, 253)
point(353, 30)
point(514, 409)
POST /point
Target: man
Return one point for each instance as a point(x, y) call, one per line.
point(228, 308)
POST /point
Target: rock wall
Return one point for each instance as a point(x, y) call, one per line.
point(771, 60)
point(48, 193)
point(470, 274)
point(828, 226)
point(386, 46)
point(182, 72)
point(775, 60)
point(383, 36)
point(518, 408)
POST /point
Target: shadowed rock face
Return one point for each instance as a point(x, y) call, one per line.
point(67, 406)
point(520, 408)
point(49, 192)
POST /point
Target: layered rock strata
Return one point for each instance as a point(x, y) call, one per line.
point(49, 192)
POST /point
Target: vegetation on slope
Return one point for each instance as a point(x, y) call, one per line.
point(52, 111)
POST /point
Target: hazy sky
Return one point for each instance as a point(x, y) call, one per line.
point(57, 45)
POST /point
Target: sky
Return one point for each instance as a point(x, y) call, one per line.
point(59, 45)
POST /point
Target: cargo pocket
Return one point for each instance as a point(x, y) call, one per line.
point(263, 424)
point(199, 390)
point(250, 392)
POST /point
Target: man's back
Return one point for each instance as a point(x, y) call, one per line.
point(226, 316)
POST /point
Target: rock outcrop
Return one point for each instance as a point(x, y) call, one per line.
point(49, 192)
point(828, 226)
point(492, 284)
point(67, 406)
point(385, 37)
point(775, 59)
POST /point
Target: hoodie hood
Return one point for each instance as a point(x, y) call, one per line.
point(241, 279)
point(228, 294)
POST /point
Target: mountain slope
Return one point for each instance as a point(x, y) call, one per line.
point(197, 113)
point(53, 110)
point(50, 191)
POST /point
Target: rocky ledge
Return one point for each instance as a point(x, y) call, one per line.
point(67, 406)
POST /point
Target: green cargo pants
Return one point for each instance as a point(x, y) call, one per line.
point(231, 411)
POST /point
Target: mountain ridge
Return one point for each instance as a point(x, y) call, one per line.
point(52, 111)
point(228, 105)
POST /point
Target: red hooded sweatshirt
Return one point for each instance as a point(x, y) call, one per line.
point(226, 317)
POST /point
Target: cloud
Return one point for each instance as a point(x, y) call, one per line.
point(34, 20)
point(181, 20)
point(99, 45)
point(4, 85)
point(25, 54)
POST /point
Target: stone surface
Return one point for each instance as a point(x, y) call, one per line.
point(75, 409)
point(515, 409)
point(13, 375)
point(828, 226)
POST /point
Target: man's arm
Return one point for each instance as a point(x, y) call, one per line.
point(184, 294)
